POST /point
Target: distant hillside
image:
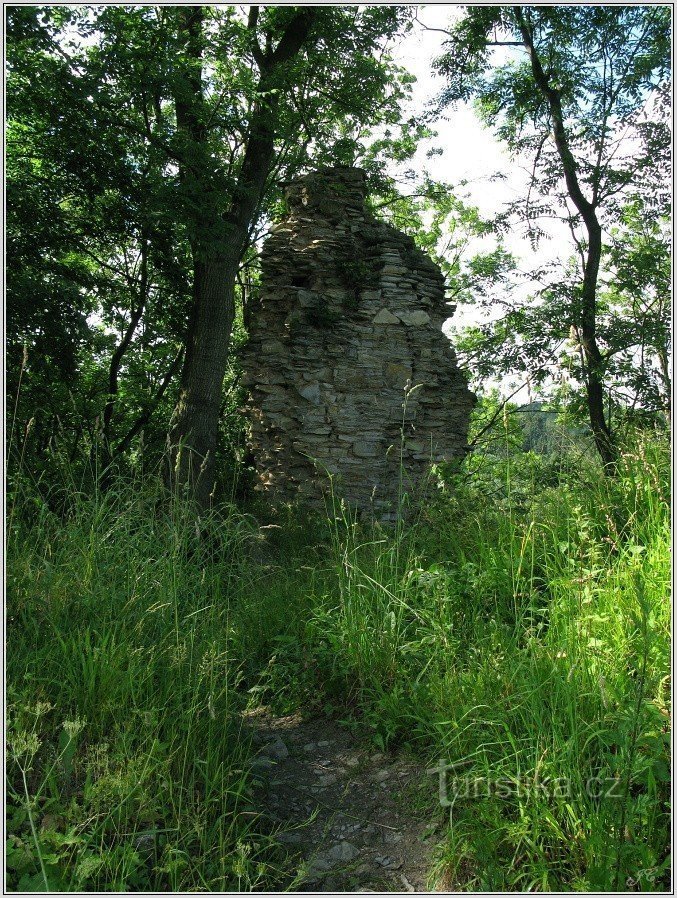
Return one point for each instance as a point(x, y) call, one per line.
point(543, 431)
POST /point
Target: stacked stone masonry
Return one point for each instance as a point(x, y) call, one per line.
point(349, 372)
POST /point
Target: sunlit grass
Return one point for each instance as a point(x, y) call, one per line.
point(522, 635)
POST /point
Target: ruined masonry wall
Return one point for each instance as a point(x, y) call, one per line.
point(349, 315)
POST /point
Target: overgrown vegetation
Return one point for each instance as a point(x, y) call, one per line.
point(518, 627)
point(512, 630)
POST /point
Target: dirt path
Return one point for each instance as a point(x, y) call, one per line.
point(346, 813)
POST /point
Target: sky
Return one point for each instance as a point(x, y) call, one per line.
point(470, 150)
point(472, 154)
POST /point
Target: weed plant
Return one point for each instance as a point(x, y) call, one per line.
point(127, 766)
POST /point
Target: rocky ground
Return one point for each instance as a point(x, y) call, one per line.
point(352, 818)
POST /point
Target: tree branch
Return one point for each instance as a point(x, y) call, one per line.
point(252, 22)
point(428, 28)
point(294, 36)
point(123, 346)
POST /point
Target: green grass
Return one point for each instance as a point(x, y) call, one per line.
point(120, 628)
point(528, 643)
point(519, 628)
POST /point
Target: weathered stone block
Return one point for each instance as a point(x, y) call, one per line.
point(417, 318)
point(366, 450)
point(397, 374)
point(311, 393)
point(386, 317)
point(272, 347)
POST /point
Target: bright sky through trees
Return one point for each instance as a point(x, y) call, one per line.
point(472, 156)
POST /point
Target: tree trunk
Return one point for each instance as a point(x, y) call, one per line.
point(217, 249)
point(193, 431)
point(594, 362)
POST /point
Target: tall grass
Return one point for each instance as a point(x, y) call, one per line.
point(518, 629)
point(125, 748)
point(526, 641)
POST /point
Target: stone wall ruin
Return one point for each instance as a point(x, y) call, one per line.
point(346, 346)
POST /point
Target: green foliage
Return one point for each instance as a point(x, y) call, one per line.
point(90, 241)
point(112, 199)
point(127, 768)
point(441, 222)
point(522, 631)
point(604, 91)
point(519, 626)
point(636, 309)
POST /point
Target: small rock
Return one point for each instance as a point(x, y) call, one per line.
point(145, 842)
point(328, 780)
point(381, 775)
point(405, 882)
point(389, 863)
point(261, 765)
point(318, 865)
point(351, 762)
point(310, 746)
point(342, 852)
point(275, 749)
point(323, 744)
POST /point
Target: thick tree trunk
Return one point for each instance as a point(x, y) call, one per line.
point(218, 246)
point(193, 432)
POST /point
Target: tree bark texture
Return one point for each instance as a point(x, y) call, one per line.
point(193, 435)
